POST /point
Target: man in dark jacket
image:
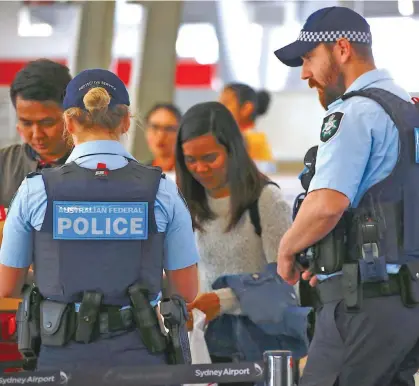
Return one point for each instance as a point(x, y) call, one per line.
point(37, 94)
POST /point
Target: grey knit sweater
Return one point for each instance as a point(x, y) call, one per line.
point(241, 250)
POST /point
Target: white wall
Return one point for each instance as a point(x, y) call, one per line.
point(59, 45)
point(292, 122)
point(8, 134)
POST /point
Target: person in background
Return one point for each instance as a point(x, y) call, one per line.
point(162, 123)
point(94, 228)
point(37, 95)
point(246, 105)
point(225, 192)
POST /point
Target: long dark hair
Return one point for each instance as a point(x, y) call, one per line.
point(244, 179)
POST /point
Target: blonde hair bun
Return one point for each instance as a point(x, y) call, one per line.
point(97, 98)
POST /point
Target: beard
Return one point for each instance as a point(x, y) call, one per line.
point(333, 84)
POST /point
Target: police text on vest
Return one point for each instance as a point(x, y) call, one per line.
point(100, 220)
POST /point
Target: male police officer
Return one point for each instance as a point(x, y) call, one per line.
point(357, 206)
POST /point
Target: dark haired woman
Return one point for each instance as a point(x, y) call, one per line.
point(162, 123)
point(247, 105)
point(221, 184)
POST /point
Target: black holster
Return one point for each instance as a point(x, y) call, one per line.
point(175, 316)
point(28, 323)
point(409, 283)
point(330, 253)
point(145, 317)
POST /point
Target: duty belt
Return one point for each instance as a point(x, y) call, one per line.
point(331, 290)
point(113, 319)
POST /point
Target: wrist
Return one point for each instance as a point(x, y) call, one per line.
point(285, 247)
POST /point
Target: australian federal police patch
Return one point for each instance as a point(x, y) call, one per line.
point(330, 126)
point(100, 220)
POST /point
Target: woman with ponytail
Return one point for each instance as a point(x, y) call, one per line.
point(246, 105)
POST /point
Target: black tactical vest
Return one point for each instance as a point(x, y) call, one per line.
point(66, 267)
point(393, 202)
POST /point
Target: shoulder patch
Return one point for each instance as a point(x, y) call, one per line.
point(330, 126)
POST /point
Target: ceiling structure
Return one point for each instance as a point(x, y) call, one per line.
point(272, 12)
point(268, 14)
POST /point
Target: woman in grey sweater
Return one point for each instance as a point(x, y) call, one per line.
point(220, 183)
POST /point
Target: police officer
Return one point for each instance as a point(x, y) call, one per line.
point(99, 230)
point(366, 330)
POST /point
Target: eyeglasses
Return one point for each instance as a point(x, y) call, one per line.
point(166, 128)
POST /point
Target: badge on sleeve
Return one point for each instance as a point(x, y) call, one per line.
point(330, 126)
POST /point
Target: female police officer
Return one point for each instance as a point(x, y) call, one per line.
point(94, 228)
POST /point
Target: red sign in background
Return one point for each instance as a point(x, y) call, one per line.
point(189, 74)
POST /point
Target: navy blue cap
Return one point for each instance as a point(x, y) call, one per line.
point(326, 25)
point(87, 79)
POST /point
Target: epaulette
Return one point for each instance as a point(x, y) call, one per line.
point(33, 174)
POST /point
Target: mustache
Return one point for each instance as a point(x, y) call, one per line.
point(312, 83)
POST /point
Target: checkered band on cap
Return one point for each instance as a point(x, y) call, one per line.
point(332, 36)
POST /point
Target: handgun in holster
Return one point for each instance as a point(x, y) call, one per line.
point(28, 323)
point(175, 315)
point(146, 320)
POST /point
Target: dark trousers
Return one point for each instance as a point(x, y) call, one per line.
point(378, 346)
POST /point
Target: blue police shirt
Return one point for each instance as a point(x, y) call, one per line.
point(28, 209)
point(364, 149)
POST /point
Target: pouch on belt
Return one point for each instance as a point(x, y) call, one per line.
point(409, 283)
point(88, 317)
point(58, 322)
point(351, 286)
